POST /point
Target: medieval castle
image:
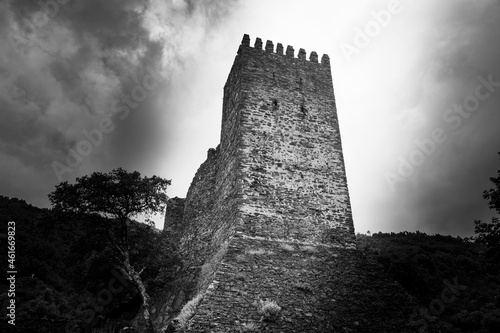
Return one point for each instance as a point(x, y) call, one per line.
point(267, 219)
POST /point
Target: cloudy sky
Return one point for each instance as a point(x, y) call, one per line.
point(417, 85)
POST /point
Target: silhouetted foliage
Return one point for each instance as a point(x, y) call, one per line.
point(117, 196)
point(64, 260)
point(489, 233)
point(423, 264)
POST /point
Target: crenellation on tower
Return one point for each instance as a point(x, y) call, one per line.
point(302, 54)
point(210, 153)
point(279, 49)
point(325, 59)
point(313, 57)
point(245, 41)
point(269, 46)
point(258, 43)
point(290, 51)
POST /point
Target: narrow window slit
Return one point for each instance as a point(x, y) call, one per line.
point(275, 104)
point(303, 109)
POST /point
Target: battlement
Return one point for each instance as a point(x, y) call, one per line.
point(289, 52)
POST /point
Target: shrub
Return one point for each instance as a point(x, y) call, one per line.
point(269, 309)
point(249, 327)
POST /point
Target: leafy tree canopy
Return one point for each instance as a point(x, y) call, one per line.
point(118, 194)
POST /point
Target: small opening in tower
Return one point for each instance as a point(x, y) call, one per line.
point(274, 76)
point(275, 104)
point(303, 110)
point(300, 81)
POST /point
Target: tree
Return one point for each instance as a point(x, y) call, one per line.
point(489, 233)
point(117, 196)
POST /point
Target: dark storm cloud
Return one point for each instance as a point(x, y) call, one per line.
point(445, 193)
point(63, 72)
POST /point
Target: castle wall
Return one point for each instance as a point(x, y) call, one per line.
point(198, 220)
point(174, 215)
point(193, 234)
point(318, 288)
point(211, 211)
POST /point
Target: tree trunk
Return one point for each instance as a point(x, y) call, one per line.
point(135, 277)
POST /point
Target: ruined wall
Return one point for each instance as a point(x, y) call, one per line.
point(199, 210)
point(174, 214)
point(193, 234)
point(211, 209)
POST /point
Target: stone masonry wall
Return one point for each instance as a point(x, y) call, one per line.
point(210, 211)
point(199, 210)
point(319, 288)
point(293, 177)
point(174, 215)
point(193, 233)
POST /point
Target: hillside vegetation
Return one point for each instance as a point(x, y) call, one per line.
point(66, 270)
point(457, 286)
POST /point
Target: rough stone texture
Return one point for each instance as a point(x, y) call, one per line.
point(268, 216)
point(319, 289)
point(293, 178)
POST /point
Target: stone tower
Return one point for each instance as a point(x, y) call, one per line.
point(267, 216)
point(280, 121)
